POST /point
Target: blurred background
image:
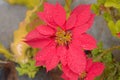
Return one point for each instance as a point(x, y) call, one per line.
point(12, 15)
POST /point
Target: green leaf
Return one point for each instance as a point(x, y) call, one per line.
point(28, 69)
point(28, 3)
point(95, 8)
point(107, 58)
point(118, 26)
point(96, 52)
point(5, 52)
point(112, 3)
point(100, 2)
point(107, 16)
point(112, 27)
point(98, 78)
point(112, 70)
point(100, 45)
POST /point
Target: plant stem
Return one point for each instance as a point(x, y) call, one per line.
point(67, 3)
point(106, 51)
point(6, 54)
point(67, 7)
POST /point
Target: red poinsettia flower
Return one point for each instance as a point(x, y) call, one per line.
point(93, 69)
point(63, 40)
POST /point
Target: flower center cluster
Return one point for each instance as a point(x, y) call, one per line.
point(63, 37)
point(83, 75)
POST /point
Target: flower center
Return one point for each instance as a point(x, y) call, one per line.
point(63, 37)
point(83, 75)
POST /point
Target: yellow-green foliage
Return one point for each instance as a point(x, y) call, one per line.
point(110, 10)
point(28, 3)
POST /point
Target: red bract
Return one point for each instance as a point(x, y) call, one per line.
point(63, 40)
point(93, 69)
point(118, 35)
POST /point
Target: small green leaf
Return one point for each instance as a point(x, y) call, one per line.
point(98, 78)
point(95, 8)
point(28, 69)
point(112, 27)
point(118, 26)
point(100, 2)
point(5, 52)
point(100, 45)
point(107, 58)
point(27, 3)
point(112, 3)
point(107, 16)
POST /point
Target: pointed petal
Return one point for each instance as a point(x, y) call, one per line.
point(83, 18)
point(65, 77)
point(37, 40)
point(77, 31)
point(38, 59)
point(48, 8)
point(90, 77)
point(69, 73)
point(62, 53)
point(47, 15)
point(71, 22)
point(47, 18)
point(47, 57)
point(41, 15)
point(89, 64)
point(80, 8)
point(34, 34)
point(39, 43)
point(52, 62)
point(41, 56)
point(77, 59)
point(96, 70)
point(59, 15)
point(45, 30)
point(87, 42)
point(83, 14)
